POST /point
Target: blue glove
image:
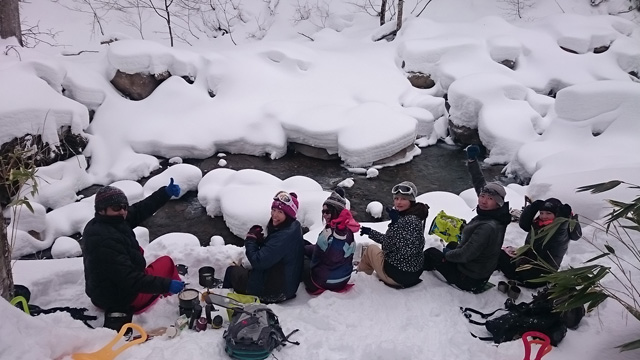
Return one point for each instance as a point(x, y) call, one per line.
point(173, 189)
point(365, 230)
point(472, 152)
point(394, 214)
point(176, 286)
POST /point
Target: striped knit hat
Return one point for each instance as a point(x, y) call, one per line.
point(109, 196)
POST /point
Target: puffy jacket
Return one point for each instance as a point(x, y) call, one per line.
point(276, 262)
point(553, 250)
point(403, 244)
point(481, 243)
point(332, 259)
point(482, 238)
point(113, 261)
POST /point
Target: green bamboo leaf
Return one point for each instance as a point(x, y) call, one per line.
point(597, 257)
point(601, 187)
point(632, 345)
point(609, 248)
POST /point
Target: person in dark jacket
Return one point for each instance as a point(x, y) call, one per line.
point(117, 278)
point(276, 259)
point(399, 263)
point(469, 264)
point(540, 254)
point(330, 261)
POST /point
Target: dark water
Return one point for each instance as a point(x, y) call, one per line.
point(440, 167)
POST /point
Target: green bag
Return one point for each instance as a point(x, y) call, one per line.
point(447, 227)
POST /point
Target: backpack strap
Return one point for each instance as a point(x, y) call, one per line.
point(76, 313)
point(468, 310)
point(483, 338)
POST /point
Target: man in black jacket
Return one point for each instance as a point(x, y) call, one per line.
point(117, 278)
point(469, 265)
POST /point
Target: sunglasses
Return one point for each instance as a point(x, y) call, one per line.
point(402, 189)
point(118, 207)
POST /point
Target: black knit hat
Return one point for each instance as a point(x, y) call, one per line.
point(337, 200)
point(551, 205)
point(109, 196)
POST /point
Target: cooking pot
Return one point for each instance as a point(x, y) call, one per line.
point(207, 276)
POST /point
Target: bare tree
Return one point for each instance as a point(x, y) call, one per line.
point(399, 18)
point(10, 20)
point(383, 12)
point(516, 8)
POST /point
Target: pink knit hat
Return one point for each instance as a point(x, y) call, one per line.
point(287, 202)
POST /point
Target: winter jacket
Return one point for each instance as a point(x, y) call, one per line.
point(332, 259)
point(276, 262)
point(481, 242)
point(552, 251)
point(114, 266)
point(403, 244)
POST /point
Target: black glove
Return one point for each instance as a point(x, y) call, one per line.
point(365, 230)
point(565, 211)
point(537, 205)
point(255, 233)
point(472, 152)
point(394, 214)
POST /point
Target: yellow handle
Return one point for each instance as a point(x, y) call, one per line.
point(107, 352)
point(21, 299)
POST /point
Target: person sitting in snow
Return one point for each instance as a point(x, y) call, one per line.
point(400, 261)
point(543, 250)
point(329, 262)
point(117, 278)
point(469, 264)
point(276, 259)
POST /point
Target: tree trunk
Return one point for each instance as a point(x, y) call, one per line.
point(383, 12)
point(10, 20)
point(6, 275)
point(400, 6)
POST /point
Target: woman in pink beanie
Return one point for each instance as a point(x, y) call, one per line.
point(276, 259)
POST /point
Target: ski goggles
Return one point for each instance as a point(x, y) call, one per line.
point(285, 198)
point(402, 189)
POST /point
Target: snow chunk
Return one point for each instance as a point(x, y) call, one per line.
point(222, 162)
point(175, 160)
point(346, 183)
point(375, 208)
point(65, 247)
point(372, 173)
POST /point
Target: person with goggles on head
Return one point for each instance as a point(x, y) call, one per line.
point(276, 259)
point(469, 264)
point(543, 251)
point(399, 263)
point(117, 278)
point(329, 263)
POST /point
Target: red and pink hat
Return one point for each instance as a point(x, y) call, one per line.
point(287, 202)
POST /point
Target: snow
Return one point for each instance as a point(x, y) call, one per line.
point(346, 94)
point(374, 209)
point(64, 247)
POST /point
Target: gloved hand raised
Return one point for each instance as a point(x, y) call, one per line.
point(565, 211)
point(173, 189)
point(394, 214)
point(538, 204)
point(472, 152)
point(365, 230)
point(255, 232)
point(176, 286)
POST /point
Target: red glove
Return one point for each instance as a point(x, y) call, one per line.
point(255, 233)
point(345, 220)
